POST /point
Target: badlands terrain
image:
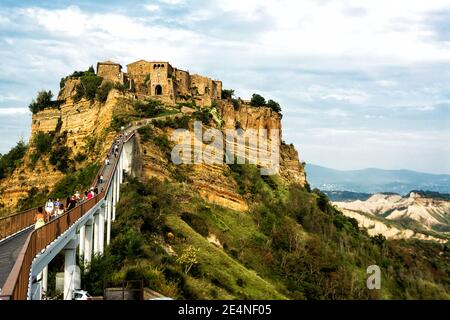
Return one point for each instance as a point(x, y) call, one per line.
point(412, 216)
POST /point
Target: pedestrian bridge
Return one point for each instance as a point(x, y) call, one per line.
point(25, 253)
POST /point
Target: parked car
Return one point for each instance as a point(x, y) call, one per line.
point(81, 295)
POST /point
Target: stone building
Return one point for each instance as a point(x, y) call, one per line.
point(159, 80)
point(110, 71)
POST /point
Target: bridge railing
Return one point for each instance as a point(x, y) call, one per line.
point(16, 285)
point(14, 223)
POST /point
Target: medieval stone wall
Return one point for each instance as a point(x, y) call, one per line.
point(110, 71)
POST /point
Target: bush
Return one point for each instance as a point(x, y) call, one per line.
point(43, 100)
point(149, 108)
point(75, 181)
point(42, 142)
point(10, 161)
point(128, 245)
point(236, 104)
point(227, 94)
point(34, 199)
point(80, 157)
point(103, 91)
point(196, 223)
point(257, 100)
point(118, 122)
point(275, 106)
point(100, 270)
point(174, 123)
point(204, 116)
point(88, 87)
point(146, 133)
point(60, 158)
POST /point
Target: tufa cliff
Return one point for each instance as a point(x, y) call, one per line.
point(86, 128)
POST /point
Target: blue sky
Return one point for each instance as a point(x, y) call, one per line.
point(362, 83)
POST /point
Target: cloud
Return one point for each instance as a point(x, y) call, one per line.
point(151, 7)
point(350, 66)
point(13, 111)
point(8, 97)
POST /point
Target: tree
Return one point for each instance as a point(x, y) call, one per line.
point(275, 106)
point(43, 142)
point(188, 258)
point(11, 160)
point(227, 93)
point(257, 100)
point(43, 100)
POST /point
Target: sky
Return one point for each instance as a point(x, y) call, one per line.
point(361, 83)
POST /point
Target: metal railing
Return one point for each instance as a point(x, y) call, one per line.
point(16, 285)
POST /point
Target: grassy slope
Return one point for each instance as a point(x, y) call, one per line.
point(291, 244)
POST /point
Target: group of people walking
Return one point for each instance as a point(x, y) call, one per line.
point(55, 208)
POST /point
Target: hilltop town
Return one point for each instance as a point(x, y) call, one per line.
point(159, 80)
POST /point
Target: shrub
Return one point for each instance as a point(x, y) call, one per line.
point(227, 94)
point(42, 142)
point(75, 181)
point(60, 158)
point(174, 123)
point(103, 91)
point(146, 133)
point(204, 116)
point(118, 122)
point(188, 258)
point(88, 87)
point(34, 198)
point(10, 161)
point(149, 107)
point(236, 104)
point(43, 100)
point(99, 270)
point(275, 106)
point(80, 157)
point(196, 223)
point(257, 100)
point(128, 245)
point(122, 87)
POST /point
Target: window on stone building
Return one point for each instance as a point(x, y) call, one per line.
point(158, 90)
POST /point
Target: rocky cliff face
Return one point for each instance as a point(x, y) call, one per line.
point(213, 181)
point(246, 117)
point(87, 127)
point(86, 123)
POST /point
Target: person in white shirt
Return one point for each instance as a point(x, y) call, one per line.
point(49, 207)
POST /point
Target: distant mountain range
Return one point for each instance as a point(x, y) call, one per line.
point(374, 180)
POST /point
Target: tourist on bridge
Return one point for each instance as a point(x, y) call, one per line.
point(56, 203)
point(72, 203)
point(39, 218)
point(49, 207)
point(59, 211)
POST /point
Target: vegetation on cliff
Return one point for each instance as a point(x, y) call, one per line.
point(11, 160)
point(291, 244)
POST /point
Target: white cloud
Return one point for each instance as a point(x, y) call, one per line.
point(8, 98)
point(151, 7)
point(13, 111)
point(324, 60)
point(426, 108)
point(172, 2)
